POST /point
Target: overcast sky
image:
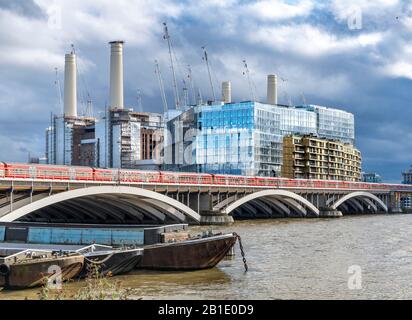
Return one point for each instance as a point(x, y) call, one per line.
point(326, 56)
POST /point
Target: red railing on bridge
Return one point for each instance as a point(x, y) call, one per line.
point(73, 173)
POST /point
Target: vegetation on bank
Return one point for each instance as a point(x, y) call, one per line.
point(98, 287)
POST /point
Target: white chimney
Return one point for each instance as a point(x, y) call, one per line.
point(226, 92)
point(70, 86)
point(272, 95)
point(116, 75)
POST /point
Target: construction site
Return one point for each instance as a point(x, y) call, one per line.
point(217, 135)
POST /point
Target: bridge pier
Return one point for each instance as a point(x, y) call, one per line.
point(395, 202)
point(327, 212)
point(215, 218)
point(202, 203)
point(395, 210)
point(325, 209)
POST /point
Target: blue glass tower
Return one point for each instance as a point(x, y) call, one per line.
point(245, 138)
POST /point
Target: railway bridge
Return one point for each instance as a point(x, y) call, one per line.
point(193, 201)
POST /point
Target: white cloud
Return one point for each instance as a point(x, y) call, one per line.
point(398, 64)
point(26, 45)
point(33, 58)
point(31, 42)
point(278, 10)
point(308, 40)
point(407, 23)
point(343, 9)
point(399, 69)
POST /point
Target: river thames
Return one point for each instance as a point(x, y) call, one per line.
point(291, 259)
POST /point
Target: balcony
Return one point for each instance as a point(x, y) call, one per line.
point(299, 164)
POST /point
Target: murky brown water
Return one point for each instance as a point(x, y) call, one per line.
point(291, 259)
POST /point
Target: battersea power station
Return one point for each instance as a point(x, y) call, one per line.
point(120, 138)
point(219, 136)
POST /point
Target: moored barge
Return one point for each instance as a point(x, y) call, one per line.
point(192, 254)
point(109, 261)
point(32, 268)
point(118, 249)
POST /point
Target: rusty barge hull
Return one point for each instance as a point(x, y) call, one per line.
point(36, 272)
point(195, 254)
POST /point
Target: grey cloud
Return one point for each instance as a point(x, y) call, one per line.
point(27, 8)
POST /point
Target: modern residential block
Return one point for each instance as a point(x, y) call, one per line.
point(310, 157)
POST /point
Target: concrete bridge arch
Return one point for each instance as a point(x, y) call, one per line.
point(294, 200)
point(366, 196)
point(100, 201)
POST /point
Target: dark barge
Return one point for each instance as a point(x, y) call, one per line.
point(109, 261)
point(202, 253)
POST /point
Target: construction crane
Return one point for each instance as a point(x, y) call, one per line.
point(185, 93)
point(191, 83)
point(199, 97)
point(285, 93)
point(288, 98)
point(84, 92)
point(166, 36)
point(303, 98)
point(249, 80)
point(59, 90)
point(89, 108)
point(208, 71)
point(139, 100)
point(162, 89)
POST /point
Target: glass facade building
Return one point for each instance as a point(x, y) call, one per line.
point(238, 138)
point(102, 160)
point(245, 138)
point(371, 177)
point(333, 123)
point(70, 141)
point(125, 138)
point(407, 176)
point(63, 141)
point(406, 201)
point(297, 121)
point(59, 142)
point(50, 146)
